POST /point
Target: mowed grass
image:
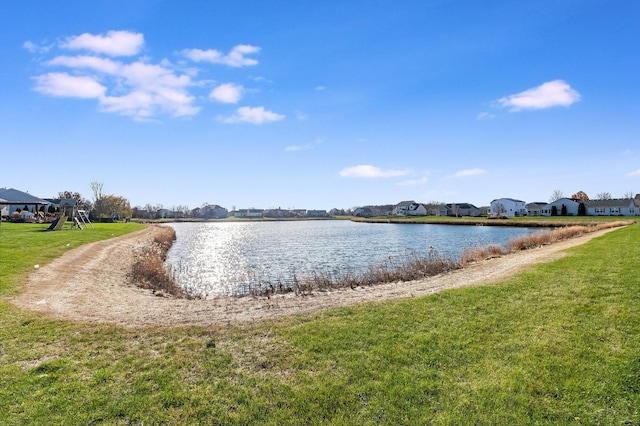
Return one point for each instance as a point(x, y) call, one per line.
point(557, 344)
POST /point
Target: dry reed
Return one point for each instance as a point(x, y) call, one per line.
point(149, 271)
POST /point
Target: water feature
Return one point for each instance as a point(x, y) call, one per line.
point(225, 258)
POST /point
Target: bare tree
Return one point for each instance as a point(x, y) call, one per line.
point(603, 196)
point(628, 194)
point(96, 189)
point(556, 195)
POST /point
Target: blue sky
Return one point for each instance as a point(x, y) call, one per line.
point(320, 104)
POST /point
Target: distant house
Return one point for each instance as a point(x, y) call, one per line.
point(570, 205)
point(409, 208)
point(317, 213)
point(214, 211)
point(459, 209)
point(535, 208)
point(363, 212)
point(614, 207)
point(248, 213)
point(277, 213)
point(508, 207)
point(298, 212)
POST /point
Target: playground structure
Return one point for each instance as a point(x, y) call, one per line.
point(70, 214)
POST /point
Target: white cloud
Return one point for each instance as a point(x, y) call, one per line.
point(547, 95)
point(468, 172)
point(65, 85)
point(634, 174)
point(368, 171)
point(320, 88)
point(235, 58)
point(115, 43)
point(95, 63)
point(227, 93)
point(252, 115)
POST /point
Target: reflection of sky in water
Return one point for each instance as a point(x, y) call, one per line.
point(212, 259)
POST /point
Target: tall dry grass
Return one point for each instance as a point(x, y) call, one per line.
point(537, 239)
point(414, 268)
point(149, 271)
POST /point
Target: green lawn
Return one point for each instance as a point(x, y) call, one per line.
point(558, 344)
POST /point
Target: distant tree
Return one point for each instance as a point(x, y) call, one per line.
point(582, 209)
point(554, 211)
point(500, 209)
point(628, 194)
point(556, 195)
point(455, 209)
point(563, 210)
point(580, 195)
point(603, 196)
point(109, 205)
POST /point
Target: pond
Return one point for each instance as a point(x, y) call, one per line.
point(227, 258)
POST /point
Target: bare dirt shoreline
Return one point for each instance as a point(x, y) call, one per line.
point(91, 284)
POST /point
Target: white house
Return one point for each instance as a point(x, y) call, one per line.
point(409, 208)
point(508, 207)
point(248, 213)
point(571, 206)
point(614, 207)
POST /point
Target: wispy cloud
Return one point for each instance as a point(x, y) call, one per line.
point(307, 147)
point(468, 172)
point(368, 171)
point(235, 58)
point(227, 93)
point(485, 116)
point(252, 115)
point(547, 95)
point(114, 43)
point(36, 48)
point(634, 173)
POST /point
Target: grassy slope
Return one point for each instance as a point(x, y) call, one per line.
point(557, 344)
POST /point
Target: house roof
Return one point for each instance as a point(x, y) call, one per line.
point(462, 205)
point(14, 197)
point(405, 203)
point(615, 202)
point(510, 199)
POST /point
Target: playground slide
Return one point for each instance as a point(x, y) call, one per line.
point(57, 224)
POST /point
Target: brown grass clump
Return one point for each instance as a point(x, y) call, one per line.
point(149, 271)
point(529, 241)
point(478, 254)
point(415, 268)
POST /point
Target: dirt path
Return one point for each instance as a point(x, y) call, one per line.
point(90, 284)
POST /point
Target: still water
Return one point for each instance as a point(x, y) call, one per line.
point(225, 258)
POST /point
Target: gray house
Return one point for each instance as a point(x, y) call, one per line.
point(614, 207)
